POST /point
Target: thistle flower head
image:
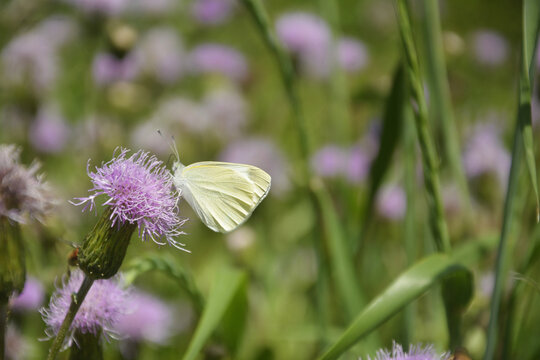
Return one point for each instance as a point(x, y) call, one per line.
point(220, 59)
point(139, 191)
point(416, 352)
point(100, 310)
point(22, 191)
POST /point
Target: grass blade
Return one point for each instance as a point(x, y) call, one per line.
point(429, 158)
point(410, 285)
point(392, 123)
point(522, 142)
point(225, 290)
point(441, 104)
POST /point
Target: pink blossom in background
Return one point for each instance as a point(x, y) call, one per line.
point(149, 319)
point(49, 132)
point(227, 110)
point(490, 48)
point(107, 68)
point(391, 202)
point(31, 298)
point(485, 153)
point(329, 161)
point(217, 58)
point(212, 12)
point(352, 54)
point(302, 33)
point(160, 54)
point(358, 164)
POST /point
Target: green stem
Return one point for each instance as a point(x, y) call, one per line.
point(503, 248)
point(76, 302)
point(286, 71)
point(3, 325)
point(429, 157)
point(440, 93)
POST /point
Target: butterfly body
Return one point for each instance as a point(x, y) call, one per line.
point(222, 194)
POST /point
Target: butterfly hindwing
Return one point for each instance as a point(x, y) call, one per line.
point(222, 194)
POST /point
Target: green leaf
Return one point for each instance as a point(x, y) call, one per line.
point(392, 124)
point(531, 24)
point(341, 259)
point(409, 286)
point(141, 265)
point(226, 306)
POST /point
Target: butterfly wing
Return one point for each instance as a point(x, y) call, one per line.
point(222, 194)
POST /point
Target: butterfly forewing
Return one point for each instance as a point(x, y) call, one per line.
point(223, 194)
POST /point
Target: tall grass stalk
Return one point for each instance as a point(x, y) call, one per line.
point(441, 103)
point(3, 325)
point(429, 157)
point(522, 147)
point(341, 259)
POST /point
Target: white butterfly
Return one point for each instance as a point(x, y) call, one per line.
point(222, 194)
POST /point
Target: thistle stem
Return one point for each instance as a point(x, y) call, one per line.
point(76, 302)
point(3, 325)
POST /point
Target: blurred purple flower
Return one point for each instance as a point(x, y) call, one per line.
point(391, 202)
point(302, 33)
point(107, 68)
point(416, 352)
point(104, 304)
point(352, 54)
point(161, 55)
point(264, 154)
point(49, 132)
point(212, 11)
point(30, 298)
point(358, 164)
point(330, 161)
point(490, 48)
point(102, 7)
point(485, 153)
point(149, 319)
point(139, 190)
point(193, 117)
point(227, 110)
point(16, 346)
point(22, 190)
point(216, 58)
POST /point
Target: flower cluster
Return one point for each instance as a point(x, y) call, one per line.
point(139, 190)
point(22, 190)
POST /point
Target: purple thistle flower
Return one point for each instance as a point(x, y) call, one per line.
point(140, 191)
point(391, 202)
point(104, 304)
point(149, 319)
point(22, 191)
point(212, 12)
point(107, 68)
point(221, 59)
point(490, 48)
point(161, 55)
point(49, 132)
point(30, 298)
point(416, 352)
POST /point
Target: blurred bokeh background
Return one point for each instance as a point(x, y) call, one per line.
point(79, 78)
